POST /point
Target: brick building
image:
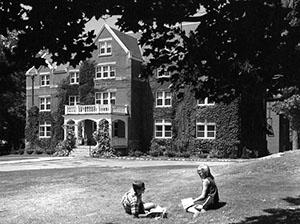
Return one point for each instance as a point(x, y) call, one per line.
point(140, 112)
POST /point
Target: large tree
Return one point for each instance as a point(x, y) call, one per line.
point(247, 48)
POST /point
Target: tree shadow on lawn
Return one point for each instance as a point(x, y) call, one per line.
point(289, 215)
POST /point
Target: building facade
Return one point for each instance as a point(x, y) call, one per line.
point(118, 92)
point(142, 114)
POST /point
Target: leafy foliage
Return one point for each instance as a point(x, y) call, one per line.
point(64, 148)
point(290, 107)
point(86, 82)
point(101, 136)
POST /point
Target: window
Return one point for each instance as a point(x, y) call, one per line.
point(45, 129)
point(104, 47)
point(163, 99)
point(163, 73)
point(119, 129)
point(105, 72)
point(105, 98)
point(45, 80)
point(205, 130)
point(73, 100)
point(74, 77)
point(163, 129)
point(45, 104)
point(205, 102)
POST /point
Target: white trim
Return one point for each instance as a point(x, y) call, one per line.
point(107, 63)
point(116, 38)
point(29, 70)
point(43, 96)
point(105, 39)
point(205, 124)
point(163, 123)
point(74, 70)
point(205, 103)
point(44, 73)
point(135, 58)
point(44, 125)
point(163, 98)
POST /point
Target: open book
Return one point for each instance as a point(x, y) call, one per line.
point(157, 212)
point(187, 202)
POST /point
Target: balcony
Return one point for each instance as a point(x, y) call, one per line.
point(96, 109)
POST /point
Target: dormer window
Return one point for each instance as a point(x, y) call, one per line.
point(205, 102)
point(105, 46)
point(74, 77)
point(163, 73)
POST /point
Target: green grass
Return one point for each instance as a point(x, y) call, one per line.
point(259, 191)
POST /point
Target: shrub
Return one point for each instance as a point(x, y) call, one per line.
point(155, 152)
point(29, 151)
point(138, 153)
point(63, 148)
point(101, 136)
point(169, 153)
point(38, 151)
point(183, 154)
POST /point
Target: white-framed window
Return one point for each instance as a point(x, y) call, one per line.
point(45, 103)
point(205, 102)
point(74, 77)
point(163, 128)
point(163, 73)
point(205, 130)
point(105, 47)
point(105, 98)
point(73, 100)
point(163, 99)
point(45, 79)
point(45, 129)
point(105, 72)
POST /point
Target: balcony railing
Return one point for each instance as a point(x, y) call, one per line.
point(96, 109)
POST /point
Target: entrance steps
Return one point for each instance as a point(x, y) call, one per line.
point(81, 151)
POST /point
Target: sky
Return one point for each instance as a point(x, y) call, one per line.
point(96, 25)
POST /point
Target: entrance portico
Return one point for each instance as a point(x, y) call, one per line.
point(84, 124)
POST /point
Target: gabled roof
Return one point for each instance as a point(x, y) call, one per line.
point(127, 42)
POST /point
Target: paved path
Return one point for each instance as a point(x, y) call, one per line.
point(73, 162)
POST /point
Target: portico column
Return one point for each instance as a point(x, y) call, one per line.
point(65, 129)
point(76, 131)
point(110, 128)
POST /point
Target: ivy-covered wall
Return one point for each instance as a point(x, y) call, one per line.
point(55, 116)
point(184, 114)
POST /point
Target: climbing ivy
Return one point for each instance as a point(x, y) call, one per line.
point(86, 94)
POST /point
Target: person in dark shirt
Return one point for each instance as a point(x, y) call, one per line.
point(209, 197)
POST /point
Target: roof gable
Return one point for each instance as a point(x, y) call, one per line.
point(128, 43)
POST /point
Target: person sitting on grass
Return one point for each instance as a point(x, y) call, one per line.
point(209, 197)
point(132, 200)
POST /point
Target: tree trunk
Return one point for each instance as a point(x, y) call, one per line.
point(295, 140)
point(253, 124)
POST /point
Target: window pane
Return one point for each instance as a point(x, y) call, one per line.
point(200, 134)
point(158, 127)
point(159, 102)
point(168, 134)
point(112, 71)
point(200, 127)
point(159, 94)
point(210, 127)
point(168, 102)
point(211, 134)
point(108, 49)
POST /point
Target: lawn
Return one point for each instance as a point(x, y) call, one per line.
point(258, 191)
